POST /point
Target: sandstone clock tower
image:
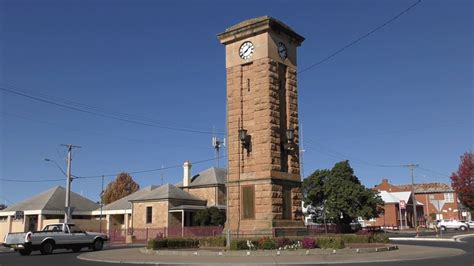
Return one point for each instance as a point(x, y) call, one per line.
point(264, 183)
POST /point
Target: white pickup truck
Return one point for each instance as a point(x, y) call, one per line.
point(54, 236)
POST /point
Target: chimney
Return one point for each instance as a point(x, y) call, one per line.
point(186, 173)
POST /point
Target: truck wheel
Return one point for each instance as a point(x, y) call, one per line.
point(443, 228)
point(47, 248)
point(25, 252)
point(463, 228)
point(98, 244)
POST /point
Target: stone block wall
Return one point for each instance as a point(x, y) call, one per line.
point(159, 214)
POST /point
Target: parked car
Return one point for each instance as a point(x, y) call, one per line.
point(54, 236)
point(470, 223)
point(443, 225)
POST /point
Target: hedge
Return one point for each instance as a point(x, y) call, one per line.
point(331, 242)
point(173, 243)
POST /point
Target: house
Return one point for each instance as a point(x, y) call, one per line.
point(397, 211)
point(46, 208)
point(117, 215)
point(157, 208)
point(171, 206)
point(439, 200)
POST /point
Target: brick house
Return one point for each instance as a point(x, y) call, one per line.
point(439, 200)
point(397, 215)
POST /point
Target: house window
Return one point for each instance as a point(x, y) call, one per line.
point(248, 202)
point(149, 212)
point(448, 197)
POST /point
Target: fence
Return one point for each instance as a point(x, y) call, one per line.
point(144, 234)
point(141, 235)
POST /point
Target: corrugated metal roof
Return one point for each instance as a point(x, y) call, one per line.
point(124, 203)
point(53, 200)
point(208, 177)
point(396, 197)
point(167, 191)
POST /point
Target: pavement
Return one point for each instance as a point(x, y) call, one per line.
point(404, 252)
point(447, 237)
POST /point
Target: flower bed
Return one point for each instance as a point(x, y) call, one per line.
point(268, 243)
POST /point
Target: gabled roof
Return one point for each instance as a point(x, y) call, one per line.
point(427, 187)
point(209, 177)
point(124, 203)
point(53, 200)
point(167, 191)
point(396, 197)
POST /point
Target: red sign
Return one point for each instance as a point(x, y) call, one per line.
point(403, 204)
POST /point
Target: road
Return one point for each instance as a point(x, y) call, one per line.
point(58, 258)
point(68, 258)
point(463, 260)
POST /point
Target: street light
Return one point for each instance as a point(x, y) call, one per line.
point(59, 167)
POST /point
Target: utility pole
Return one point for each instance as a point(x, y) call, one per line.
point(412, 168)
point(101, 203)
point(301, 151)
point(67, 215)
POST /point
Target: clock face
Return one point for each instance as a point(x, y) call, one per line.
point(246, 50)
point(282, 52)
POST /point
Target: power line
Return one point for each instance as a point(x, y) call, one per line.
point(113, 116)
point(354, 159)
point(151, 170)
point(359, 39)
point(30, 180)
point(433, 172)
point(366, 163)
point(109, 175)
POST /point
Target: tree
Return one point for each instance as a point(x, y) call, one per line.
point(340, 195)
point(202, 217)
point(313, 191)
point(209, 216)
point(3, 206)
point(462, 181)
point(122, 186)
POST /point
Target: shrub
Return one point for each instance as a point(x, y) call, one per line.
point(217, 241)
point(157, 244)
point(241, 244)
point(151, 244)
point(378, 238)
point(281, 242)
point(330, 242)
point(267, 243)
point(210, 216)
point(173, 243)
point(355, 238)
point(308, 243)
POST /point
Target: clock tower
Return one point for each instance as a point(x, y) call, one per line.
point(264, 182)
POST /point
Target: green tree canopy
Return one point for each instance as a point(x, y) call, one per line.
point(122, 186)
point(339, 194)
point(209, 216)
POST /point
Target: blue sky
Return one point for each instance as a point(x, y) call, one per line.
point(402, 95)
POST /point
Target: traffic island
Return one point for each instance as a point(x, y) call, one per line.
point(267, 253)
point(315, 256)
